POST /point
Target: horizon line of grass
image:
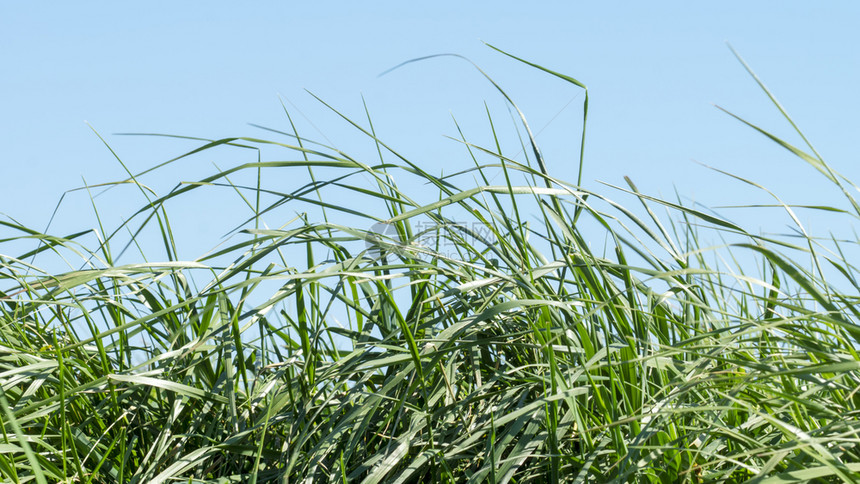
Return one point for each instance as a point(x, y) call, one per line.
point(495, 343)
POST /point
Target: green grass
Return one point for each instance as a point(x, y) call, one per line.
point(592, 342)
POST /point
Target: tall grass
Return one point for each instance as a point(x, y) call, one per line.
point(450, 334)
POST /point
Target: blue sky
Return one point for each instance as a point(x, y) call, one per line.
point(654, 74)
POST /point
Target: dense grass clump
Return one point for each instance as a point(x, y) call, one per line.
point(476, 335)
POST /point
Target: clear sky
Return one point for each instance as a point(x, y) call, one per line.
point(654, 72)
